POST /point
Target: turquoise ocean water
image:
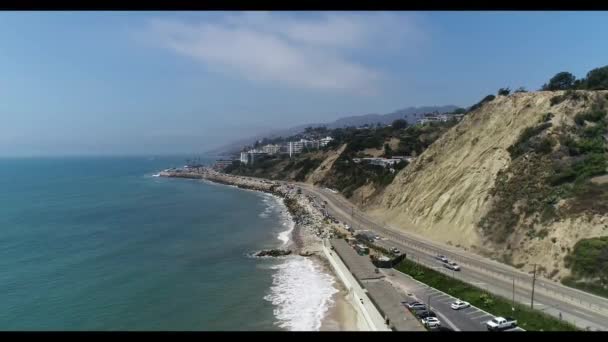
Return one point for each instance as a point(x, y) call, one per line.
point(101, 244)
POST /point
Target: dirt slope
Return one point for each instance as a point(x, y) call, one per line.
point(445, 192)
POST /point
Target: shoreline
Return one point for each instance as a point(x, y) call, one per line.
point(306, 238)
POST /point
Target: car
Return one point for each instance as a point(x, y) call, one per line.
point(441, 258)
point(452, 265)
point(425, 314)
point(501, 323)
point(395, 250)
point(457, 305)
point(431, 322)
point(417, 306)
point(412, 303)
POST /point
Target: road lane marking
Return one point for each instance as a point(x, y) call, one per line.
point(483, 314)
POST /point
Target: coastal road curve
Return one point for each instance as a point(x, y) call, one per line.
point(585, 310)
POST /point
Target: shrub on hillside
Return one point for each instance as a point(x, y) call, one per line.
point(488, 98)
point(521, 90)
point(591, 116)
point(504, 91)
point(399, 124)
point(522, 145)
point(561, 81)
point(589, 258)
point(597, 79)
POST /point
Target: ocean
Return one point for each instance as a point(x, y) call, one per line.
point(102, 244)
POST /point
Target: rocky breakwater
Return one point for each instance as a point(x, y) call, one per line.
point(273, 253)
point(310, 226)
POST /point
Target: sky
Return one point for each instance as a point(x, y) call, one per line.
point(153, 83)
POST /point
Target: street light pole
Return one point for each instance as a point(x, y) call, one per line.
point(513, 302)
point(533, 282)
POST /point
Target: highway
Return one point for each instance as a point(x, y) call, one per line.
point(585, 310)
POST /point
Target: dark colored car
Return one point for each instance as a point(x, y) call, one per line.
point(425, 314)
point(418, 307)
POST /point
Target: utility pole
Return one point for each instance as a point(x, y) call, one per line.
point(533, 281)
point(513, 302)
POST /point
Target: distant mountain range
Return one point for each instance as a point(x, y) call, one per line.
point(410, 114)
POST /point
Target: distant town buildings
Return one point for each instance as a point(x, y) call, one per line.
point(325, 141)
point(221, 164)
point(384, 162)
point(436, 117)
point(271, 149)
point(292, 148)
point(250, 156)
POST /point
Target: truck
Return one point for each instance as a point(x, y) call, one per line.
point(501, 323)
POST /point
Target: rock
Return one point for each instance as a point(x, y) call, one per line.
point(273, 252)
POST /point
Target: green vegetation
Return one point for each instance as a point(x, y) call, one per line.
point(527, 318)
point(561, 81)
point(596, 79)
point(521, 90)
point(504, 91)
point(525, 143)
point(399, 124)
point(459, 111)
point(589, 263)
point(544, 172)
point(346, 176)
point(570, 94)
point(488, 98)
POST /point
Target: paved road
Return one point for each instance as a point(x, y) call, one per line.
point(581, 308)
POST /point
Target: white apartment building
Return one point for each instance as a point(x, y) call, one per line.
point(271, 149)
point(295, 147)
point(249, 156)
point(325, 141)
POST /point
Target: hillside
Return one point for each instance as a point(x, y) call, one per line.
point(518, 179)
point(410, 114)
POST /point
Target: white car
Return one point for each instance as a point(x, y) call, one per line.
point(431, 322)
point(457, 305)
point(452, 265)
point(417, 306)
point(441, 258)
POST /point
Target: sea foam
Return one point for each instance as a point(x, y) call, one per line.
point(302, 294)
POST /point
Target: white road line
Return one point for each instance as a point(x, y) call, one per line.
point(442, 296)
point(474, 311)
point(452, 325)
point(482, 315)
point(483, 319)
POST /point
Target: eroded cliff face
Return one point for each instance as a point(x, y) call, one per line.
point(458, 184)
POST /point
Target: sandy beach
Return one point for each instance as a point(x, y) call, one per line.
point(310, 228)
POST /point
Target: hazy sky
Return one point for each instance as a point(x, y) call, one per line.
point(158, 83)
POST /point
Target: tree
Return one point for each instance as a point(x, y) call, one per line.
point(399, 124)
point(459, 111)
point(597, 79)
point(504, 91)
point(521, 90)
point(561, 81)
point(388, 151)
